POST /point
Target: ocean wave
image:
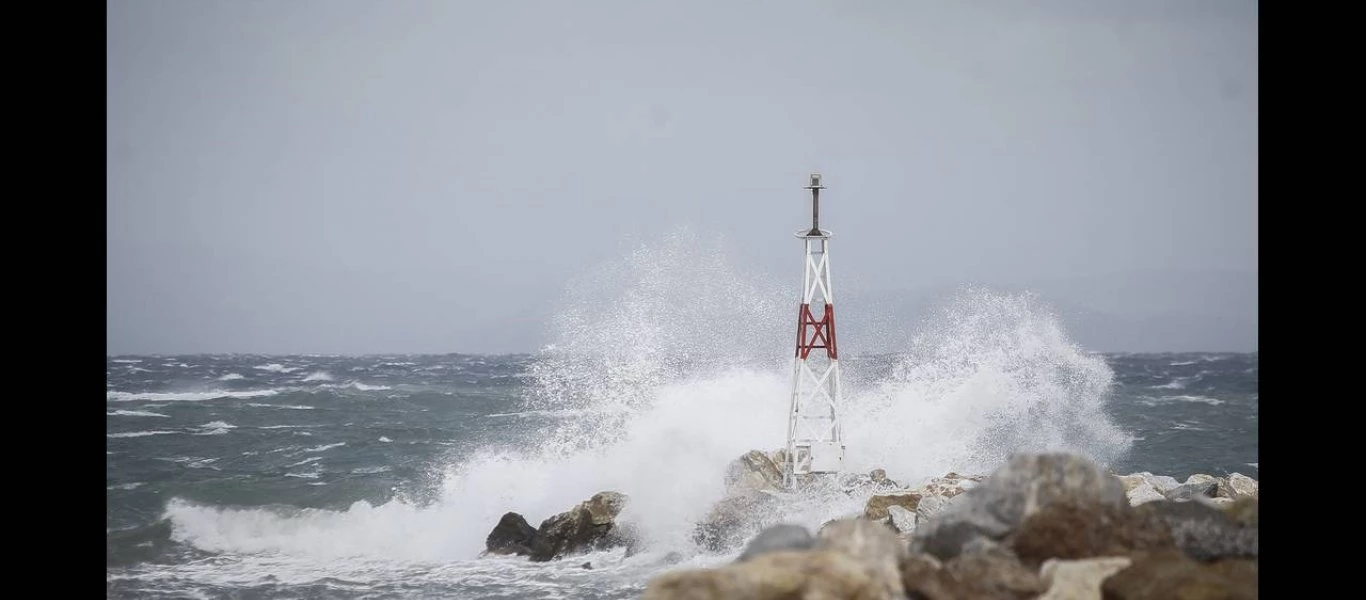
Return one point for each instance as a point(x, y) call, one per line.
point(215, 428)
point(185, 396)
point(1200, 399)
point(318, 376)
point(135, 413)
point(276, 368)
point(281, 406)
point(230, 377)
point(324, 447)
point(133, 434)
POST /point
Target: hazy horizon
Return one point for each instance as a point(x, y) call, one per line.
point(415, 177)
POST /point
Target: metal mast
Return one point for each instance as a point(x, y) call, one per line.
point(815, 441)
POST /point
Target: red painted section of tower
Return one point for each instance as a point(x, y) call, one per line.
point(812, 333)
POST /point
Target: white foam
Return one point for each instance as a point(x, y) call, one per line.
point(324, 447)
point(366, 388)
point(133, 434)
point(135, 413)
point(231, 377)
point(282, 406)
point(215, 428)
point(126, 486)
point(1200, 399)
point(371, 470)
point(660, 417)
point(185, 396)
point(385, 439)
point(319, 376)
point(276, 368)
point(127, 361)
point(305, 461)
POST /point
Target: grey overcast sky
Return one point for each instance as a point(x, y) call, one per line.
point(342, 176)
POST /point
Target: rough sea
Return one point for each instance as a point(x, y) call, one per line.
point(316, 476)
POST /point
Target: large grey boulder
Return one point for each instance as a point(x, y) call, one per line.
point(1022, 486)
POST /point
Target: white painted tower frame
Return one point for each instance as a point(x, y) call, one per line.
point(815, 439)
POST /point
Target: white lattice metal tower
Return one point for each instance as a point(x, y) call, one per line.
point(815, 441)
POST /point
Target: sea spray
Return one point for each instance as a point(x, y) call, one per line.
point(669, 364)
point(989, 374)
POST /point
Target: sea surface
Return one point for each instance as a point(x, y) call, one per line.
point(379, 476)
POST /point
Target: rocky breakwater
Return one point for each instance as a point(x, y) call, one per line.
point(591, 525)
point(1051, 526)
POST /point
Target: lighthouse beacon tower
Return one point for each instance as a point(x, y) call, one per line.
point(815, 441)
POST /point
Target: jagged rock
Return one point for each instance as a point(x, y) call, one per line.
point(512, 535)
point(1169, 575)
point(1190, 490)
point(604, 507)
point(778, 538)
point(1018, 489)
point(1203, 532)
point(753, 471)
point(1225, 490)
point(1131, 481)
point(873, 545)
point(1200, 478)
point(992, 574)
point(931, 505)
point(788, 575)
point(950, 485)
point(1142, 493)
point(1161, 483)
point(902, 520)
point(879, 478)
point(735, 519)
point(588, 526)
point(1078, 579)
point(1068, 530)
point(876, 509)
point(1243, 486)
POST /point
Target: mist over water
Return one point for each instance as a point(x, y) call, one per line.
point(666, 366)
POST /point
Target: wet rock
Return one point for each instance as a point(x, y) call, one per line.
point(873, 545)
point(1200, 478)
point(902, 520)
point(753, 471)
point(778, 538)
point(587, 566)
point(604, 507)
point(512, 535)
point(1144, 493)
point(991, 574)
point(1078, 579)
point(880, 479)
point(735, 519)
point(1069, 530)
point(1243, 486)
point(1225, 490)
point(789, 575)
point(1190, 490)
point(589, 526)
point(931, 505)
point(1026, 483)
point(1203, 532)
point(1171, 575)
point(1161, 483)
point(876, 509)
